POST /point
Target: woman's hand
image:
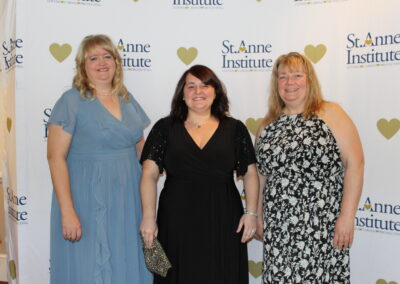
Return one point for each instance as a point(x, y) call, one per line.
point(148, 194)
point(248, 224)
point(259, 235)
point(71, 227)
point(344, 232)
point(149, 231)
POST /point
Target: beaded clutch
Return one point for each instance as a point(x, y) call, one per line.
point(156, 259)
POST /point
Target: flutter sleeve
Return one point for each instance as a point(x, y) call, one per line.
point(144, 119)
point(244, 149)
point(156, 143)
point(65, 111)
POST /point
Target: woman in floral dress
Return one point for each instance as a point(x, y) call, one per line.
point(311, 165)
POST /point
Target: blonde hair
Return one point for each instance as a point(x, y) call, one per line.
point(314, 99)
point(81, 80)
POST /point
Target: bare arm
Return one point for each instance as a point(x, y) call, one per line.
point(251, 185)
point(352, 156)
point(58, 143)
point(148, 192)
point(248, 222)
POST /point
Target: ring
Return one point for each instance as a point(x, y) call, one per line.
point(253, 231)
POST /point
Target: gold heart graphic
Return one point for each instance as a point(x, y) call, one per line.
point(120, 47)
point(242, 49)
point(253, 124)
point(388, 128)
point(13, 269)
point(368, 41)
point(315, 53)
point(383, 281)
point(9, 124)
point(255, 268)
point(187, 55)
point(60, 52)
point(367, 206)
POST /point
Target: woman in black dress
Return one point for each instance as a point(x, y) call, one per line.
point(200, 221)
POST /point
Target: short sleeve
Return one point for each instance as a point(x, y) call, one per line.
point(244, 149)
point(156, 143)
point(65, 111)
point(144, 119)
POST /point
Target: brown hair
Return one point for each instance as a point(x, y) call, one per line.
point(220, 105)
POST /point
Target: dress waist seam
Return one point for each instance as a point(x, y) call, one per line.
point(111, 155)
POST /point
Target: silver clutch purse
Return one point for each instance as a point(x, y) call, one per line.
point(156, 259)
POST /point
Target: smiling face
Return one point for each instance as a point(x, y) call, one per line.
point(99, 66)
point(292, 86)
point(198, 96)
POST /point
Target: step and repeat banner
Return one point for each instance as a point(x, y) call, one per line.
point(354, 45)
point(7, 133)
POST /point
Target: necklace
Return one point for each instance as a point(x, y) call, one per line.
point(197, 125)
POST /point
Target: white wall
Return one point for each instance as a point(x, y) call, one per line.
point(48, 34)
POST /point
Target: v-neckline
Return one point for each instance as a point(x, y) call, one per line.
point(208, 141)
point(109, 113)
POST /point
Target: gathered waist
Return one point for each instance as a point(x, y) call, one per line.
point(200, 179)
point(109, 155)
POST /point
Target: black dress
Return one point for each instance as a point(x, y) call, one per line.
point(302, 197)
point(200, 206)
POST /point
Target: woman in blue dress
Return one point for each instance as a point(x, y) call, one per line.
point(95, 139)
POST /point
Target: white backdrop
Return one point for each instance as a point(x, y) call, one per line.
point(354, 44)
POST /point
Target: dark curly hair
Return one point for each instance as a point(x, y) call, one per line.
point(220, 106)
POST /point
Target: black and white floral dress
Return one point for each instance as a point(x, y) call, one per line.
point(302, 196)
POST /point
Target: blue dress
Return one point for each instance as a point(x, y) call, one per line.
point(104, 176)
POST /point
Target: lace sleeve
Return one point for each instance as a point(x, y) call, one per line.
point(244, 149)
point(155, 146)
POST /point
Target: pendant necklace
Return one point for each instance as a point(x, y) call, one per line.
point(197, 125)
